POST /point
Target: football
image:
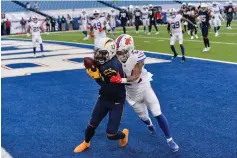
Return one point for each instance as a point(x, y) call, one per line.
point(89, 63)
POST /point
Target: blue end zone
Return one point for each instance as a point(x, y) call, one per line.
point(22, 65)
point(48, 119)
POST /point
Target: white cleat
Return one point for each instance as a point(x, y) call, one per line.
point(196, 36)
point(35, 55)
point(208, 48)
point(205, 50)
point(157, 33)
point(85, 38)
point(191, 37)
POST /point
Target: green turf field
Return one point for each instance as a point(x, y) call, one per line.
point(223, 48)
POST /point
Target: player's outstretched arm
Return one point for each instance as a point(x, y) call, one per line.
point(184, 19)
point(135, 75)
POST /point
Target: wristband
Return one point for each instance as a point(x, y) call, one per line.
point(124, 80)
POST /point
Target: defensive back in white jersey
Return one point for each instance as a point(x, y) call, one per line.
point(175, 23)
point(35, 28)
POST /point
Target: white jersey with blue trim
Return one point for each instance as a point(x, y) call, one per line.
point(216, 12)
point(84, 19)
point(135, 57)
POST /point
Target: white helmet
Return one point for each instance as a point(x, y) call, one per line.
point(112, 10)
point(124, 46)
point(105, 50)
point(96, 13)
point(83, 11)
point(172, 12)
point(150, 6)
point(35, 19)
point(136, 7)
point(144, 7)
point(203, 5)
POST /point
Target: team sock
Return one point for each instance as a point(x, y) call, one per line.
point(89, 133)
point(173, 49)
point(34, 50)
point(208, 43)
point(182, 49)
point(144, 28)
point(215, 29)
point(163, 123)
point(41, 47)
point(218, 28)
point(148, 122)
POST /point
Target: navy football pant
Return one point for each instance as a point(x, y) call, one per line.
point(102, 108)
point(204, 31)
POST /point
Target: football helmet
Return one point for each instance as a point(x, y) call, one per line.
point(105, 50)
point(35, 19)
point(137, 7)
point(203, 6)
point(124, 46)
point(172, 13)
point(150, 6)
point(96, 13)
point(83, 11)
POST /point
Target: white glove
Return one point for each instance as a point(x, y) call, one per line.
point(28, 35)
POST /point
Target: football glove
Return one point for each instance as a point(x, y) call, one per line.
point(101, 29)
point(92, 35)
point(118, 79)
point(93, 74)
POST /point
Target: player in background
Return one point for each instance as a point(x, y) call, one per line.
point(145, 20)
point(183, 12)
point(229, 14)
point(140, 94)
point(84, 22)
point(123, 17)
point(98, 27)
point(193, 14)
point(137, 16)
point(152, 19)
point(204, 15)
point(111, 96)
point(112, 20)
point(35, 27)
point(217, 17)
point(174, 22)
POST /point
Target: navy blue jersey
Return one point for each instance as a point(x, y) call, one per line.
point(204, 15)
point(137, 14)
point(111, 91)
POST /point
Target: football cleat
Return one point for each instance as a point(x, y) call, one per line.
point(208, 48)
point(183, 59)
point(175, 55)
point(196, 36)
point(173, 146)
point(123, 142)
point(35, 55)
point(191, 37)
point(82, 147)
point(205, 49)
point(151, 129)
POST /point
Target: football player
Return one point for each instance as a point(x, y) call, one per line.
point(174, 22)
point(112, 20)
point(98, 27)
point(84, 22)
point(35, 27)
point(111, 96)
point(152, 19)
point(204, 15)
point(137, 15)
point(123, 17)
point(229, 14)
point(140, 94)
point(183, 12)
point(217, 17)
point(193, 14)
point(145, 20)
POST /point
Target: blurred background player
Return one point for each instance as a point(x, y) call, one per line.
point(174, 22)
point(112, 20)
point(216, 16)
point(204, 15)
point(152, 19)
point(145, 20)
point(123, 17)
point(98, 27)
point(183, 12)
point(229, 14)
point(137, 17)
point(140, 94)
point(111, 96)
point(192, 16)
point(34, 27)
point(84, 22)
